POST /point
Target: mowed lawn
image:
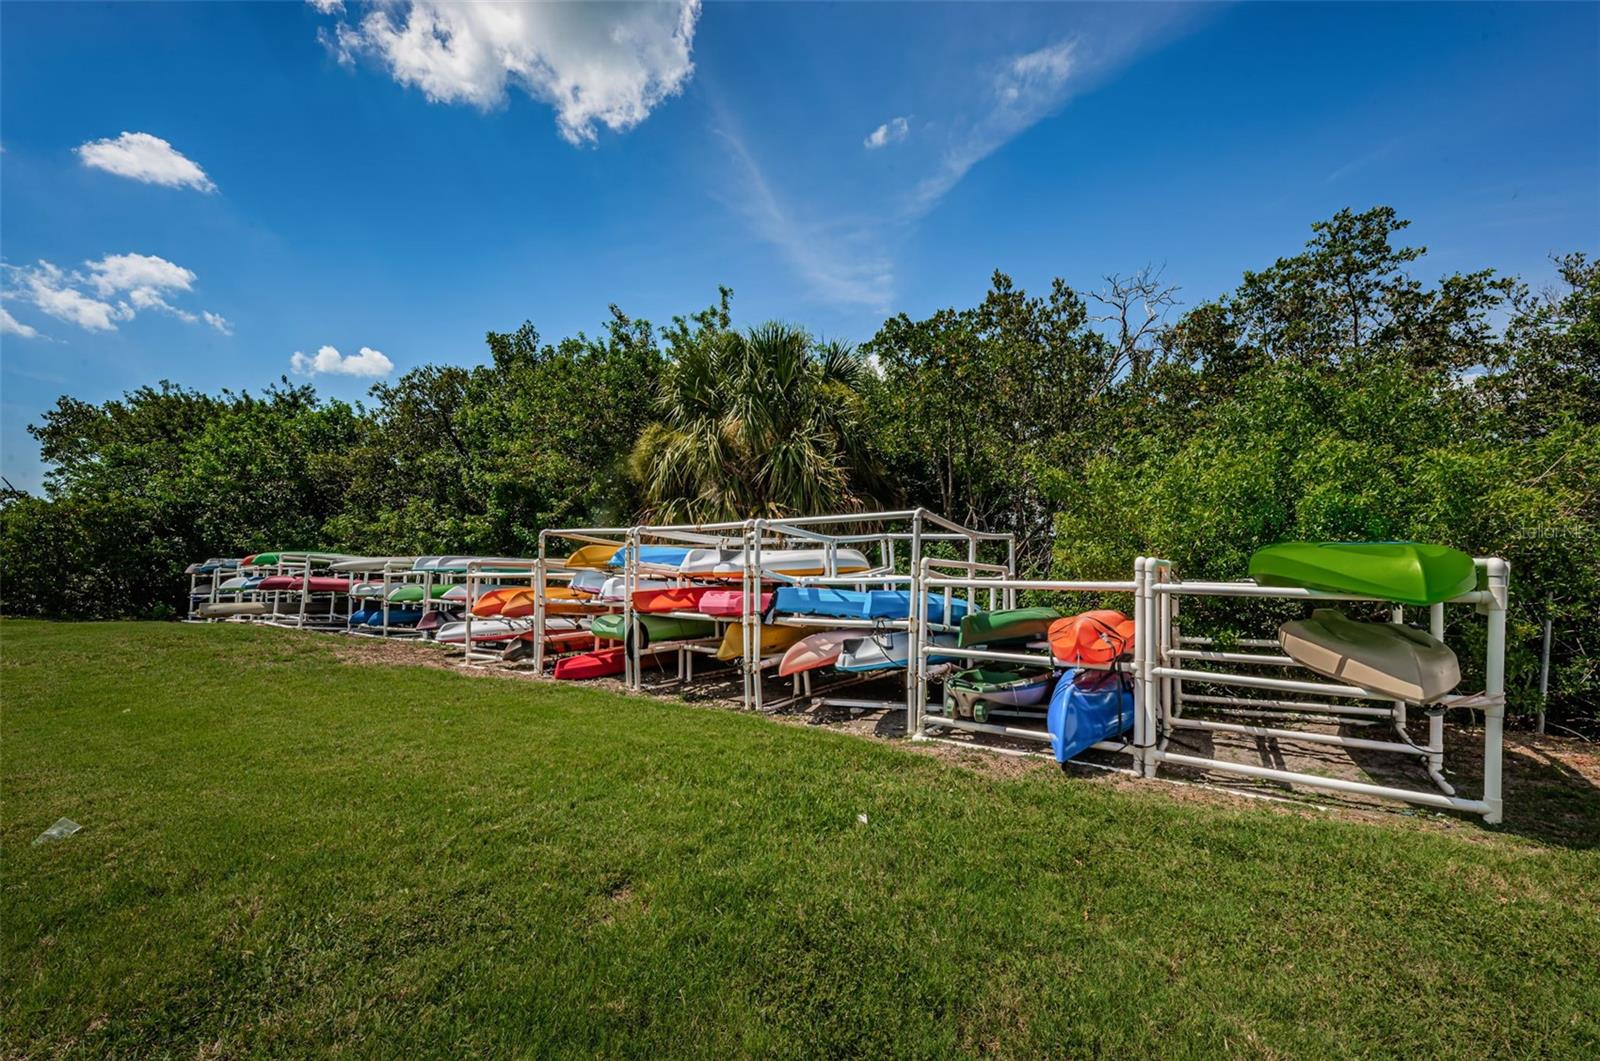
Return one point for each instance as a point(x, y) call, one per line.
point(284, 851)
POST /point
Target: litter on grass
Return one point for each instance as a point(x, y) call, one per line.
point(63, 828)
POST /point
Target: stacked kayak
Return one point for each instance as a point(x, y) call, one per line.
point(1008, 626)
point(657, 628)
point(315, 584)
point(1388, 658)
point(815, 651)
point(880, 651)
point(1404, 572)
point(971, 693)
point(1086, 708)
point(860, 604)
point(1102, 636)
point(774, 639)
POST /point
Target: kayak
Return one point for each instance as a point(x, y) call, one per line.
point(363, 565)
point(1100, 636)
point(225, 609)
point(730, 602)
point(591, 556)
point(605, 663)
point(657, 628)
point(489, 604)
point(1012, 624)
point(232, 585)
point(971, 693)
point(485, 564)
point(1087, 708)
point(615, 587)
point(815, 650)
point(270, 559)
point(652, 555)
point(881, 651)
point(397, 617)
point(860, 604)
point(508, 630)
point(1388, 658)
point(730, 563)
point(588, 583)
point(774, 639)
point(1406, 572)
point(671, 599)
point(411, 593)
point(315, 584)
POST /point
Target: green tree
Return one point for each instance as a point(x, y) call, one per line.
point(766, 422)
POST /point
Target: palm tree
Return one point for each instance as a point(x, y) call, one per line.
point(758, 423)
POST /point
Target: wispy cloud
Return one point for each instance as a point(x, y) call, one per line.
point(9, 325)
point(841, 267)
point(890, 132)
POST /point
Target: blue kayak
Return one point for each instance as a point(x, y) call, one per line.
point(1088, 707)
point(660, 555)
point(397, 617)
point(859, 604)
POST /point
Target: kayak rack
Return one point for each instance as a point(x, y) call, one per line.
point(1240, 686)
point(895, 543)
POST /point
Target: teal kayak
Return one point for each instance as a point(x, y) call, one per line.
point(1405, 572)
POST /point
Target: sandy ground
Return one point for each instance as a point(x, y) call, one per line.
point(1551, 787)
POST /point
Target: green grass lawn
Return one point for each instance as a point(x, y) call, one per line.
point(285, 852)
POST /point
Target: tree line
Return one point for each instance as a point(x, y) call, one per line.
point(1334, 394)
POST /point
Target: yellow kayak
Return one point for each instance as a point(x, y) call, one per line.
point(774, 639)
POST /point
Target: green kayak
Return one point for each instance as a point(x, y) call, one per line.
point(656, 628)
point(1405, 572)
point(413, 594)
point(1014, 624)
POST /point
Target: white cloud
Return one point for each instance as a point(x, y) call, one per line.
point(52, 290)
point(369, 363)
point(328, 7)
point(142, 157)
point(595, 64)
point(114, 288)
point(9, 325)
point(217, 321)
point(138, 272)
point(891, 131)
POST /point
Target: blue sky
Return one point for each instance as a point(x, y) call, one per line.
point(392, 182)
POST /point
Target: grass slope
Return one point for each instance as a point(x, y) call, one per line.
point(284, 852)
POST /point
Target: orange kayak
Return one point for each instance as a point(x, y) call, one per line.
point(1100, 636)
point(673, 599)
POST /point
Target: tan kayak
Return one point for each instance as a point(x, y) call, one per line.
point(1398, 661)
point(226, 609)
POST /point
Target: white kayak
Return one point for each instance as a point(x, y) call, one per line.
point(226, 609)
point(730, 563)
point(1387, 658)
point(362, 565)
point(881, 651)
point(497, 629)
point(615, 587)
point(590, 582)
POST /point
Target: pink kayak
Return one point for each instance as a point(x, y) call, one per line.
point(729, 602)
point(316, 584)
point(815, 651)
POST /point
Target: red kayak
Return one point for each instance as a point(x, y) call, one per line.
point(316, 584)
point(673, 599)
point(607, 663)
point(730, 602)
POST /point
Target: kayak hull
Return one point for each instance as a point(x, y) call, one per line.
point(1086, 708)
point(860, 604)
point(1009, 625)
point(1100, 636)
point(1398, 661)
point(814, 651)
point(1406, 572)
